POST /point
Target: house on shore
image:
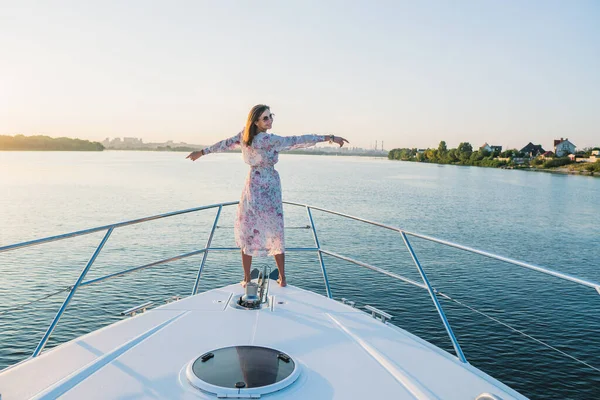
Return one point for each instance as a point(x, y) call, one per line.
point(563, 147)
point(533, 150)
point(490, 148)
point(546, 155)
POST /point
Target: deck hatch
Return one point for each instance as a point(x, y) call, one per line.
point(242, 369)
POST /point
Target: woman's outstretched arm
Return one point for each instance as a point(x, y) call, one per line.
point(224, 145)
point(296, 142)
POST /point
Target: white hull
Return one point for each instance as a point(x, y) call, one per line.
point(341, 353)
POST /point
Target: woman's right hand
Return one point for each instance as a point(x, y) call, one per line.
point(194, 155)
point(340, 140)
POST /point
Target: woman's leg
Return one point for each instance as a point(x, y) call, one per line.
point(280, 261)
point(246, 263)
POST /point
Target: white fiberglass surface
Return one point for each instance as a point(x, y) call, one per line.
point(341, 352)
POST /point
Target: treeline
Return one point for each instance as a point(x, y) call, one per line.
point(46, 143)
point(551, 162)
point(462, 155)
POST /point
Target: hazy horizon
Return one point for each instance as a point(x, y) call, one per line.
point(409, 74)
point(378, 144)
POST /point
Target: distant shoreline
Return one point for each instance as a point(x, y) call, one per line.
point(564, 171)
point(464, 155)
point(556, 171)
point(49, 150)
point(345, 154)
point(46, 143)
point(313, 153)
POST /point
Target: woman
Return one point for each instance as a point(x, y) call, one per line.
point(259, 221)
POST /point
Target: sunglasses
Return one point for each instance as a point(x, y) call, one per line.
point(268, 117)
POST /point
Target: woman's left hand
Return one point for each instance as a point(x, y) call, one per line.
point(340, 140)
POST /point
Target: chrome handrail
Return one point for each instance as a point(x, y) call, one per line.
point(106, 227)
point(314, 231)
point(65, 303)
point(544, 270)
point(436, 302)
point(208, 242)
point(320, 251)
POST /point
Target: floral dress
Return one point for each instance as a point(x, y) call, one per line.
point(259, 221)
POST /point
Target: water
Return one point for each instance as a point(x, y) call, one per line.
point(550, 220)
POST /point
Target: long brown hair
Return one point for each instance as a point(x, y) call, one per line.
point(251, 130)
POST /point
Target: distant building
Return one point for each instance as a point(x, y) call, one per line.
point(596, 152)
point(533, 150)
point(547, 155)
point(490, 148)
point(132, 140)
point(583, 158)
point(562, 147)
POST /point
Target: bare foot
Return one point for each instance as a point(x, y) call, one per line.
point(281, 281)
point(245, 282)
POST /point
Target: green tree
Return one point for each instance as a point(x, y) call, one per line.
point(431, 155)
point(452, 156)
point(464, 151)
point(442, 147)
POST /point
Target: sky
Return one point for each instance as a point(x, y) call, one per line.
point(408, 73)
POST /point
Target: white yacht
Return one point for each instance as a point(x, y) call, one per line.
point(260, 342)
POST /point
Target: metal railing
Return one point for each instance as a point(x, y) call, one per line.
point(425, 284)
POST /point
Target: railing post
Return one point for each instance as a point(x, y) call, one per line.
point(438, 306)
point(312, 224)
point(60, 312)
point(208, 242)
